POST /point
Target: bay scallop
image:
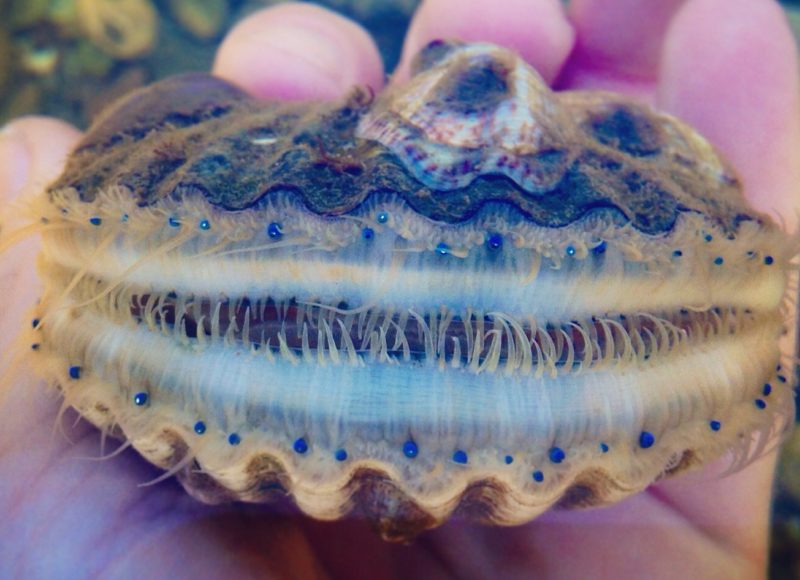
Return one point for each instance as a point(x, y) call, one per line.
point(467, 295)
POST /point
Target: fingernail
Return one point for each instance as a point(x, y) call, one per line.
point(15, 162)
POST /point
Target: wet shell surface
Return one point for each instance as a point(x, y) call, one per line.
point(468, 295)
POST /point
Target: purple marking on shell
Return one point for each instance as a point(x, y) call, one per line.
point(471, 293)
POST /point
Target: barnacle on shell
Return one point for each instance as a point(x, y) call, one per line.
point(467, 295)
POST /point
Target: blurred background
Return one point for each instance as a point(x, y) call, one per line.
point(68, 58)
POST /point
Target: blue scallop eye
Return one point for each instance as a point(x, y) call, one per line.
point(275, 231)
point(509, 459)
point(442, 249)
point(538, 476)
point(382, 217)
point(300, 446)
point(199, 427)
point(95, 221)
point(571, 251)
point(494, 241)
point(646, 440)
point(174, 222)
point(340, 455)
point(368, 233)
point(460, 457)
point(204, 225)
point(234, 439)
point(140, 399)
point(557, 455)
point(410, 449)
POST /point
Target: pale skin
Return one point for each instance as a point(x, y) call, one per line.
point(726, 66)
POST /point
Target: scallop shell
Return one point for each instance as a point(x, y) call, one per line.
point(468, 295)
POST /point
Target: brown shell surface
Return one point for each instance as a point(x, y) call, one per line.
point(593, 151)
point(474, 130)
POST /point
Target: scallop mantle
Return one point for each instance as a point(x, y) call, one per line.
point(467, 295)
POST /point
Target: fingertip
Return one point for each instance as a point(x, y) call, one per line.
point(298, 52)
point(536, 29)
point(618, 44)
point(730, 69)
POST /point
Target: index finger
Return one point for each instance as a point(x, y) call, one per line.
point(297, 52)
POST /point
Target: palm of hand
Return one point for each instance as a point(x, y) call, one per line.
point(64, 513)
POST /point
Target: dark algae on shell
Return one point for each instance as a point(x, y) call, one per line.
point(467, 295)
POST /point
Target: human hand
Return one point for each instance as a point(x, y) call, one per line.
point(727, 67)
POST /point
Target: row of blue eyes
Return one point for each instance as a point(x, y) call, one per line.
point(556, 455)
point(493, 241)
point(275, 231)
point(410, 449)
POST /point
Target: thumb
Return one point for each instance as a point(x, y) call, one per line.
point(32, 153)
